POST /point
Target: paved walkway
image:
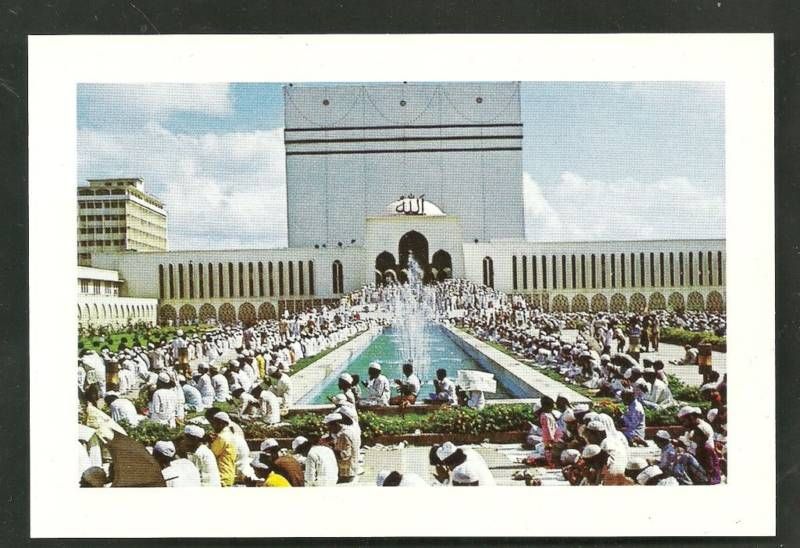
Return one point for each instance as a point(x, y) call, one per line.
point(666, 352)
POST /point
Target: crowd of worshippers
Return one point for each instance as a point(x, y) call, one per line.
point(592, 448)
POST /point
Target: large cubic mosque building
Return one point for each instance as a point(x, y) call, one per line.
point(378, 173)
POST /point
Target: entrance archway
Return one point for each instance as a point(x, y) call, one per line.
point(442, 264)
point(412, 243)
point(384, 264)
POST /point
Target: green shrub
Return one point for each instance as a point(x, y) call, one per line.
point(676, 335)
point(148, 432)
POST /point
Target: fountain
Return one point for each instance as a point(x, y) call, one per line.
point(411, 313)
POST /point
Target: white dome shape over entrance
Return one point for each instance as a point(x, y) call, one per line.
point(414, 205)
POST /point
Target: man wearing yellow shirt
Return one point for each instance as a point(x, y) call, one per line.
point(270, 477)
point(224, 448)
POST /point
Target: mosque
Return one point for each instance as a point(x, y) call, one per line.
point(378, 173)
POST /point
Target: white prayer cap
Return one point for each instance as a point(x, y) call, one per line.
point(381, 477)
point(233, 363)
point(375, 365)
point(202, 366)
point(332, 417)
point(636, 463)
point(590, 451)
point(298, 441)
point(465, 473)
point(590, 416)
point(664, 435)
point(581, 408)
point(112, 393)
point(271, 370)
point(668, 482)
point(596, 425)
point(180, 332)
point(711, 416)
point(163, 377)
point(166, 448)
point(570, 456)
point(346, 377)
point(605, 358)
point(447, 449)
point(647, 474)
point(223, 416)
point(347, 411)
point(568, 415)
point(648, 370)
point(685, 410)
point(181, 378)
point(269, 443)
point(194, 431)
point(150, 346)
point(627, 374)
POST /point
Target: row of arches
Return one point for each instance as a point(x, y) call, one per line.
point(388, 270)
point(613, 270)
point(232, 280)
point(637, 302)
point(114, 311)
point(226, 313)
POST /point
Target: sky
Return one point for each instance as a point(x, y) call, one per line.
point(601, 160)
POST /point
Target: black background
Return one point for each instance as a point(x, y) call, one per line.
point(21, 18)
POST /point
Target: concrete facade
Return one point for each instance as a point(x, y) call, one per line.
point(99, 303)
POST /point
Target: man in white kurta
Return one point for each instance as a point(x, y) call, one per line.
point(201, 456)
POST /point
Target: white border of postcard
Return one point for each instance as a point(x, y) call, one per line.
point(745, 506)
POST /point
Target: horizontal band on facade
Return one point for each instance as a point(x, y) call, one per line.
point(399, 151)
point(437, 126)
point(388, 139)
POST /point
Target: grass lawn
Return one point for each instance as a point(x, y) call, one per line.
point(140, 337)
point(305, 362)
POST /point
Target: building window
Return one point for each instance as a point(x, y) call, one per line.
point(201, 289)
point(594, 277)
point(574, 275)
point(271, 279)
point(622, 269)
point(534, 274)
point(231, 294)
point(514, 272)
point(671, 268)
point(544, 271)
point(85, 286)
point(260, 279)
point(652, 270)
point(603, 270)
point(241, 279)
point(719, 268)
point(661, 268)
point(310, 277)
point(250, 285)
point(642, 278)
point(171, 283)
point(180, 281)
point(691, 269)
point(191, 280)
point(488, 272)
point(680, 268)
point(291, 277)
point(524, 272)
point(710, 279)
point(613, 270)
point(553, 265)
point(336, 277)
point(583, 271)
point(563, 272)
point(221, 280)
point(633, 270)
point(160, 281)
point(211, 280)
point(280, 278)
point(699, 268)
point(301, 283)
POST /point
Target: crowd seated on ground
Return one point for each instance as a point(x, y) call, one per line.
point(251, 365)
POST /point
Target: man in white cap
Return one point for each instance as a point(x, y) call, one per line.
point(633, 420)
point(451, 457)
point(224, 448)
point(689, 418)
point(281, 386)
point(321, 468)
point(668, 454)
point(205, 386)
point(200, 455)
point(177, 472)
point(164, 404)
point(122, 409)
point(285, 465)
point(378, 387)
point(465, 475)
point(386, 478)
point(222, 391)
point(343, 445)
point(345, 384)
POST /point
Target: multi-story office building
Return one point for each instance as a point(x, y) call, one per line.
point(117, 215)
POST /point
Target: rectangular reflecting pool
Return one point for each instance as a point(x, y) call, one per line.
point(443, 353)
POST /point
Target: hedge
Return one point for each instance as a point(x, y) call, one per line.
point(140, 337)
point(676, 335)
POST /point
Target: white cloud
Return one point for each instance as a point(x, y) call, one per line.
point(574, 209)
point(221, 190)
